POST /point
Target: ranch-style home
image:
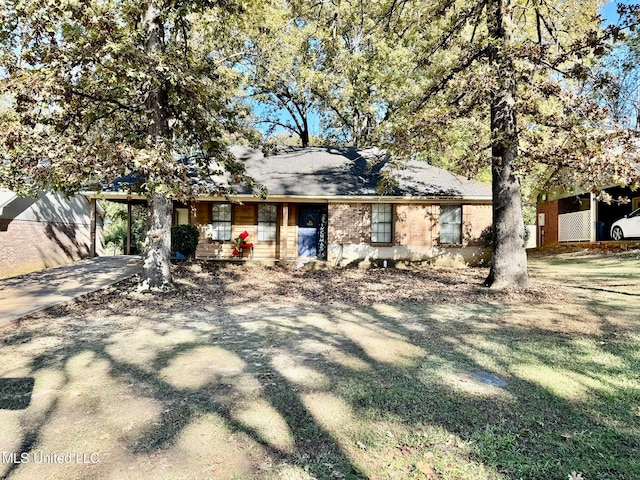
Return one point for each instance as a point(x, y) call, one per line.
point(328, 204)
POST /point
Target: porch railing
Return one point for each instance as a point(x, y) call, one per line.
point(574, 226)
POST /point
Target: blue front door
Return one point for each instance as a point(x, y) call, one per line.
point(308, 232)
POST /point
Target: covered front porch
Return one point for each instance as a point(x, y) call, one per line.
point(276, 230)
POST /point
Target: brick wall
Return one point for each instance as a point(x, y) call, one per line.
point(349, 223)
point(417, 225)
point(475, 218)
point(27, 246)
point(414, 224)
point(550, 229)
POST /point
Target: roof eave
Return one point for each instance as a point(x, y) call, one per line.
point(309, 198)
point(352, 198)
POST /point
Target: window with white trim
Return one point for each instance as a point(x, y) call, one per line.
point(451, 224)
point(182, 216)
point(267, 221)
point(220, 227)
point(381, 222)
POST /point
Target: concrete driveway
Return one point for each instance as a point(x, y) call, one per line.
point(26, 294)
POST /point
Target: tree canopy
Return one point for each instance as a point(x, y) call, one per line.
point(502, 80)
point(80, 76)
point(96, 90)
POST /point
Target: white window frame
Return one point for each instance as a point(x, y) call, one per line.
point(221, 225)
point(451, 227)
point(267, 222)
point(382, 223)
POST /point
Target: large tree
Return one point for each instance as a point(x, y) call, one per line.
point(344, 62)
point(520, 65)
point(99, 89)
point(280, 67)
point(504, 77)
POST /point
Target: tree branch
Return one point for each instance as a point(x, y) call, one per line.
point(97, 98)
point(439, 86)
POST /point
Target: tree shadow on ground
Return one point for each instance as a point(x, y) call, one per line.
point(386, 391)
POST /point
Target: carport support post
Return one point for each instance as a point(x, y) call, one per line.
point(92, 233)
point(284, 254)
point(593, 207)
point(128, 246)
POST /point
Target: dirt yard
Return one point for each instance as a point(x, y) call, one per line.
point(262, 372)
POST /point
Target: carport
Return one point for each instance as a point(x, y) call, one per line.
point(580, 217)
point(129, 200)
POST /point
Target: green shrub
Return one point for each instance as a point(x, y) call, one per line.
point(184, 239)
point(487, 236)
point(115, 227)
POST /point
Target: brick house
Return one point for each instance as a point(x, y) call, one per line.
point(325, 203)
point(43, 232)
point(574, 215)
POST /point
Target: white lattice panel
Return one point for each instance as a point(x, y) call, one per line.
point(574, 227)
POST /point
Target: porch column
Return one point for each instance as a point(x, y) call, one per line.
point(92, 233)
point(594, 217)
point(284, 253)
point(127, 248)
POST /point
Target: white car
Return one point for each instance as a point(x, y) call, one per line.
point(627, 227)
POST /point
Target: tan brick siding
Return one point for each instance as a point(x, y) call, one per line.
point(414, 224)
point(417, 225)
point(27, 246)
point(349, 223)
point(475, 218)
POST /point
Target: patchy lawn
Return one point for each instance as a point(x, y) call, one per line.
point(265, 373)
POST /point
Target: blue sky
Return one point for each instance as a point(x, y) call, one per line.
point(609, 10)
point(609, 14)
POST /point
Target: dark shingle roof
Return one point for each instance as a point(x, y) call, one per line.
point(336, 171)
point(328, 172)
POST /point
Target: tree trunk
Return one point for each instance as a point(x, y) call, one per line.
point(304, 134)
point(509, 262)
point(157, 262)
point(156, 271)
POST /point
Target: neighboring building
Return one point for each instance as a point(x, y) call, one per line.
point(580, 217)
point(323, 203)
point(44, 232)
